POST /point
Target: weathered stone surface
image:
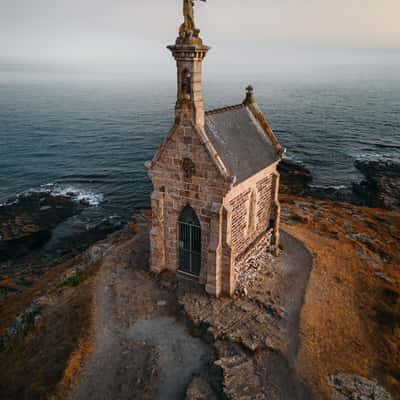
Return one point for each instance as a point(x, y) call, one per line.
point(353, 387)
point(250, 333)
point(241, 381)
point(381, 186)
point(199, 389)
point(96, 252)
point(247, 269)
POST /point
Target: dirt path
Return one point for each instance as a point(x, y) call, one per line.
point(287, 285)
point(141, 350)
point(180, 354)
point(293, 270)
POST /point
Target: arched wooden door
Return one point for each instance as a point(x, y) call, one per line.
point(189, 242)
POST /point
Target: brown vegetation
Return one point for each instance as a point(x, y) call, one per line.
point(350, 320)
point(48, 356)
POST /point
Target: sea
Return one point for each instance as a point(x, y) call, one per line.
point(89, 137)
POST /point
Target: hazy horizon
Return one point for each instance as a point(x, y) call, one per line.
point(131, 36)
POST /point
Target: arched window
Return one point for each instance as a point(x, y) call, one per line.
point(186, 84)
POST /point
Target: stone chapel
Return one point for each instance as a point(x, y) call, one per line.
point(215, 180)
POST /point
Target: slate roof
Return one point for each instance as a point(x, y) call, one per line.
point(243, 140)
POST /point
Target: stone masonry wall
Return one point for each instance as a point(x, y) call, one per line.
point(255, 258)
point(203, 191)
point(241, 238)
point(251, 240)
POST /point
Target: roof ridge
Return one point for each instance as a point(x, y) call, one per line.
point(227, 108)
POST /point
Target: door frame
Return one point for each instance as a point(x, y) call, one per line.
point(193, 234)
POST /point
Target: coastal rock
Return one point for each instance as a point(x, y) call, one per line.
point(353, 387)
point(381, 186)
point(27, 222)
point(92, 234)
point(341, 194)
point(199, 389)
point(96, 252)
point(295, 177)
point(296, 180)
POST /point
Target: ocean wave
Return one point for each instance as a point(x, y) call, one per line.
point(55, 189)
point(329, 187)
point(77, 194)
point(372, 156)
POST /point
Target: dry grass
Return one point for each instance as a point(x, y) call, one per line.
point(350, 321)
point(17, 303)
point(45, 361)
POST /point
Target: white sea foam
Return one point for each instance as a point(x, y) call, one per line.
point(76, 194)
point(371, 156)
point(337, 187)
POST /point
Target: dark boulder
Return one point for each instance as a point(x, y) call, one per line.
point(295, 177)
point(341, 194)
point(81, 240)
point(27, 222)
point(381, 186)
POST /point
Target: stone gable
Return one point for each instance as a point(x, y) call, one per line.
point(204, 190)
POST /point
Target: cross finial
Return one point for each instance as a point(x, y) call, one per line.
point(249, 95)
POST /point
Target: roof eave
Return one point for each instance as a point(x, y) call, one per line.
point(255, 110)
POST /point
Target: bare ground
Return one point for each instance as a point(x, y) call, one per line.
point(256, 336)
point(350, 321)
point(297, 332)
point(147, 348)
point(141, 349)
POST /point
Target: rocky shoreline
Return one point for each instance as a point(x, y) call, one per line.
point(379, 189)
point(381, 186)
point(28, 225)
point(27, 222)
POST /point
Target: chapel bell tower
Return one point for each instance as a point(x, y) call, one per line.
point(189, 53)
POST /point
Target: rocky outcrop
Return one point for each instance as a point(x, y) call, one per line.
point(342, 194)
point(349, 387)
point(200, 389)
point(381, 186)
point(295, 177)
point(296, 180)
point(27, 222)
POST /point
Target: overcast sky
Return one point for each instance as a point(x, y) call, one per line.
point(133, 34)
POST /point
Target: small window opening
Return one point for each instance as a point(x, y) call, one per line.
point(252, 213)
point(186, 84)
